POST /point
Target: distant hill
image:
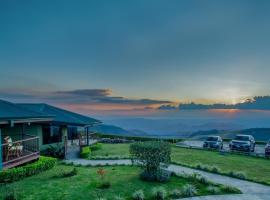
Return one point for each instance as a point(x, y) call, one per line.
point(115, 130)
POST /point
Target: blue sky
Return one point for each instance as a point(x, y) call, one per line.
point(136, 51)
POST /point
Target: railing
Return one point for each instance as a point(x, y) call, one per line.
point(20, 151)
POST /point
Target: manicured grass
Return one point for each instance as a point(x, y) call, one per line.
point(112, 150)
point(256, 169)
point(84, 186)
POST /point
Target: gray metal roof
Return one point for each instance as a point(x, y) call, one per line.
point(11, 111)
point(60, 115)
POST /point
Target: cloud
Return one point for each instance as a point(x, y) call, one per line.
point(80, 96)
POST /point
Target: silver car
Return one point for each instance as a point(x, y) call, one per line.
point(213, 142)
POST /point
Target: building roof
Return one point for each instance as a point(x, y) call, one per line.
point(11, 111)
point(61, 115)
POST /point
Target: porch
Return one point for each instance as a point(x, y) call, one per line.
point(19, 149)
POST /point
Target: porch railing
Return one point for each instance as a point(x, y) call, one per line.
point(20, 151)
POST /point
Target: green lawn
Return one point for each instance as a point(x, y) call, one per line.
point(112, 150)
point(124, 181)
point(257, 169)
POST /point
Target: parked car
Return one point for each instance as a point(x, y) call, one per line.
point(213, 142)
point(267, 150)
point(243, 143)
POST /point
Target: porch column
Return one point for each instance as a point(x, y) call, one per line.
point(1, 153)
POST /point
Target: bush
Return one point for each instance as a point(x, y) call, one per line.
point(18, 173)
point(85, 152)
point(189, 190)
point(163, 176)
point(138, 195)
point(176, 193)
point(240, 175)
point(213, 189)
point(149, 155)
point(95, 147)
point(215, 169)
point(159, 193)
point(57, 151)
point(230, 189)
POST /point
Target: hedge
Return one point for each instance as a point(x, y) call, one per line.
point(85, 152)
point(95, 146)
point(18, 173)
point(137, 138)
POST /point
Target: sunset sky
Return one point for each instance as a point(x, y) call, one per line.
point(100, 56)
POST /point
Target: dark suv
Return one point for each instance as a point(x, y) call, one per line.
point(213, 142)
point(267, 150)
point(243, 143)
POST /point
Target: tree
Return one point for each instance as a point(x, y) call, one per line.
point(151, 155)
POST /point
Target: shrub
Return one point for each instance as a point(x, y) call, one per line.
point(202, 179)
point(176, 193)
point(57, 151)
point(159, 193)
point(95, 147)
point(240, 175)
point(230, 189)
point(163, 176)
point(149, 155)
point(189, 190)
point(138, 195)
point(14, 174)
point(85, 152)
point(215, 169)
point(213, 190)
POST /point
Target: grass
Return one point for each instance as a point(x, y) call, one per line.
point(256, 169)
point(84, 186)
point(112, 150)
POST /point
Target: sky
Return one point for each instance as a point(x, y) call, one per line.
point(101, 56)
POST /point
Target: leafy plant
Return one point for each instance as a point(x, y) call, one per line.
point(159, 193)
point(95, 146)
point(149, 155)
point(240, 175)
point(57, 151)
point(119, 198)
point(213, 189)
point(230, 189)
point(85, 152)
point(189, 190)
point(138, 195)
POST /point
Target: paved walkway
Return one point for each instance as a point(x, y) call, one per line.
point(251, 191)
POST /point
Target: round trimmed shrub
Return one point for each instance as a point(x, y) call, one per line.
point(149, 155)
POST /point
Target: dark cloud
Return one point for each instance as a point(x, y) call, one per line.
point(167, 107)
point(87, 92)
point(81, 96)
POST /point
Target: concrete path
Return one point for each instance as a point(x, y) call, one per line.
point(251, 191)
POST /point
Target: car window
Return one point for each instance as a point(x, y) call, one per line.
point(243, 138)
point(212, 139)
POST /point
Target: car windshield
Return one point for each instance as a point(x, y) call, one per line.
point(212, 139)
point(242, 138)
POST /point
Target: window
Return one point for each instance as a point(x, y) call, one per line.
point(51, 134)
point(72, 132)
